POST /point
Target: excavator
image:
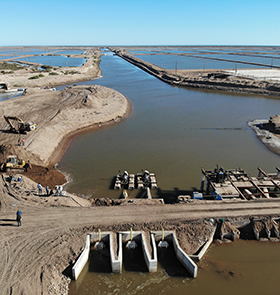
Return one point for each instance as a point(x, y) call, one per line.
point(20, 126)
point(12, 164)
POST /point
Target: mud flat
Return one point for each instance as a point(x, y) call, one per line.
point(217, 80)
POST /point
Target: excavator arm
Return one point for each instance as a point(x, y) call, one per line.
point(22, 126)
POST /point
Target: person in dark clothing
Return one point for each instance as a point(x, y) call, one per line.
point(18, 216)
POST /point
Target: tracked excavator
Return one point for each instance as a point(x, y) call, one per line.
point(19, 126)
point(13, 164)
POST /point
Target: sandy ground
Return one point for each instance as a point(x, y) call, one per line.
point(36, 257)
point(58, 114)
point(89, 71)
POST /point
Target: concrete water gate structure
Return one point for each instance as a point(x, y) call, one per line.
point(116, 241)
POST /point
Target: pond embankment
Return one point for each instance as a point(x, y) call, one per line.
point(216, 80)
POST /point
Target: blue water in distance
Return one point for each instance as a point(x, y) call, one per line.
point(56, 60)
point(195, 63)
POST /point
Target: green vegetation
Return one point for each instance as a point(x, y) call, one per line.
point(10, 66)
point(7, 72)
point(96, 60)
point(47, 68)
point(36, 77)
point(69, 72)
point(53, 73)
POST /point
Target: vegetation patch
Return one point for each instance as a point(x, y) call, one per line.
point(10, 66)
point(36, 77)
point(53, 73)
point(70, 72)
point(6, 72)
point(47, 68)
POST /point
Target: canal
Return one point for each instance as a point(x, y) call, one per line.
point(171, 131)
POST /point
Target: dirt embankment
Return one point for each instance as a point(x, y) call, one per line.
point(216, 80)
point(58, 75)
point(59, 115)
point(267, 135)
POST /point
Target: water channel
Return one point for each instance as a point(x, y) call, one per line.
point(242, 267)
point(171, 131)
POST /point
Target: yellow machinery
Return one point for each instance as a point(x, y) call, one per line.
point(12, 164)
point(20, 126)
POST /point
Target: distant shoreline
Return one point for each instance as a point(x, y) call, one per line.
point(215, 80)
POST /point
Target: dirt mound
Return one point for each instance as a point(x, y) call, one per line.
point(47, 176)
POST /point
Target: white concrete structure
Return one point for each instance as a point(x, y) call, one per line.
point(205, 247)
point(82, 260)
point(182, 256)
point(116, 262)
point(139, 237)
point(106, 238)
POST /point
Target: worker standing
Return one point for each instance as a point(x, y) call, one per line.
point(39, 186)
point(23, 142)
point(18, 217)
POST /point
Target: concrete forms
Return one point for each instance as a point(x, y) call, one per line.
point(139, 181)
point(82, 260)
point(236, 183)
point(149, 249)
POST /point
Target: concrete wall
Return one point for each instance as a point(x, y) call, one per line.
point(150, 262)
point(116, 263)
point(203, 250)
point(139, 237)
point(182, 256)
point(82, 260)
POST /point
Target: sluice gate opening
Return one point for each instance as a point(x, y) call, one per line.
point(135, 251)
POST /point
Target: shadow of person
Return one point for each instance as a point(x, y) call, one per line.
point(7, 222)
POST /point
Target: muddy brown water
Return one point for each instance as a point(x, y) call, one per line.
point(241, 267)
point(173, 132)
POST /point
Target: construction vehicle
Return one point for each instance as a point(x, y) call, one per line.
point(12, 164)
point(20, 126)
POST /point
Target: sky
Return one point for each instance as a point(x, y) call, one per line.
point(145, 22)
